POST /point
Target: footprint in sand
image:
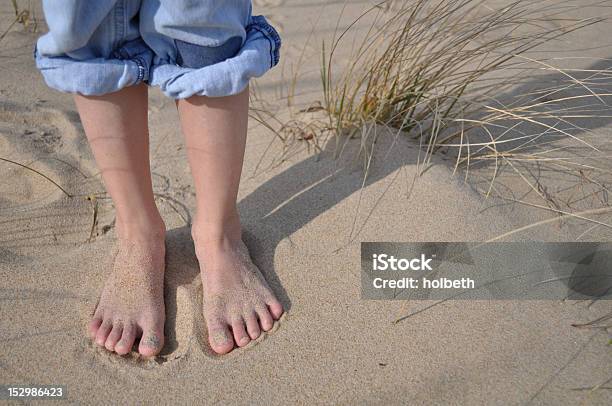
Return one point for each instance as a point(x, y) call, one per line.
point(44, 159)
point(49, 141)
point(28, 138)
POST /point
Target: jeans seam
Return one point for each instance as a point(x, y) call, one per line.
point(179, 57)
point(259, 24)
point(141, 68)
point(119, 23)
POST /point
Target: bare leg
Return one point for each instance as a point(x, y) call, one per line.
point(236, 296)
point(132, 302)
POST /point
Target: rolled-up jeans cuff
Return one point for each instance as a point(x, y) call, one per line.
point(259, 53)
point(134, 63)
point(260, 23)
point(127, 66)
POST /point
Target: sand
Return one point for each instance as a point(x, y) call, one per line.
point(304, 219)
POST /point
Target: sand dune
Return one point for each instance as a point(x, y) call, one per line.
point(304, 220)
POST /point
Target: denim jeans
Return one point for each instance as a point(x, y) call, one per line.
point(186, 47)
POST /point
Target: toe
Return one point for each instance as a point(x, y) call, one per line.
point(265, 319)
point(93, 327)
point(240, 334)
point(127, 340)
point(114, 336)
point(219, 337)
point(151, 342)
point(103, 331)
point(252, 326)
point(276, 308)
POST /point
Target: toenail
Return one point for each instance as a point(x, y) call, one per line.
point(152, 341)
point(219, 337)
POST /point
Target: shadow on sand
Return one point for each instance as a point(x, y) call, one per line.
point(293, 198)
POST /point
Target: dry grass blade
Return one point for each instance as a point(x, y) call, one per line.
point(94, 222)
point(38, 173)
point(434, 66)
point(24, 17)
point(597, 323)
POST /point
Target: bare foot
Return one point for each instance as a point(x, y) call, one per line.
point(238, 303)
point(132, 301)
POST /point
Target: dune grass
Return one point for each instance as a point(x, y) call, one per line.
point(481, 86)
point(452, 75)
point(460, 78)
point(24, 16)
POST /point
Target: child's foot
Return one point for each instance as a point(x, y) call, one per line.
point(132, 301)
point(238, 303)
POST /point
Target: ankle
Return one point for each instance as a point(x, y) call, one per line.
point(224, 234)
point(141, 229)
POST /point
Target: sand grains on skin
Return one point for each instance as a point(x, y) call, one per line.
point(238, 304)
point(131, 305)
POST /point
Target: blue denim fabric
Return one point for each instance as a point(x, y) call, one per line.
point(186, 47)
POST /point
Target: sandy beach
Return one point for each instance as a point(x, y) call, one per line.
point(304, 220)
